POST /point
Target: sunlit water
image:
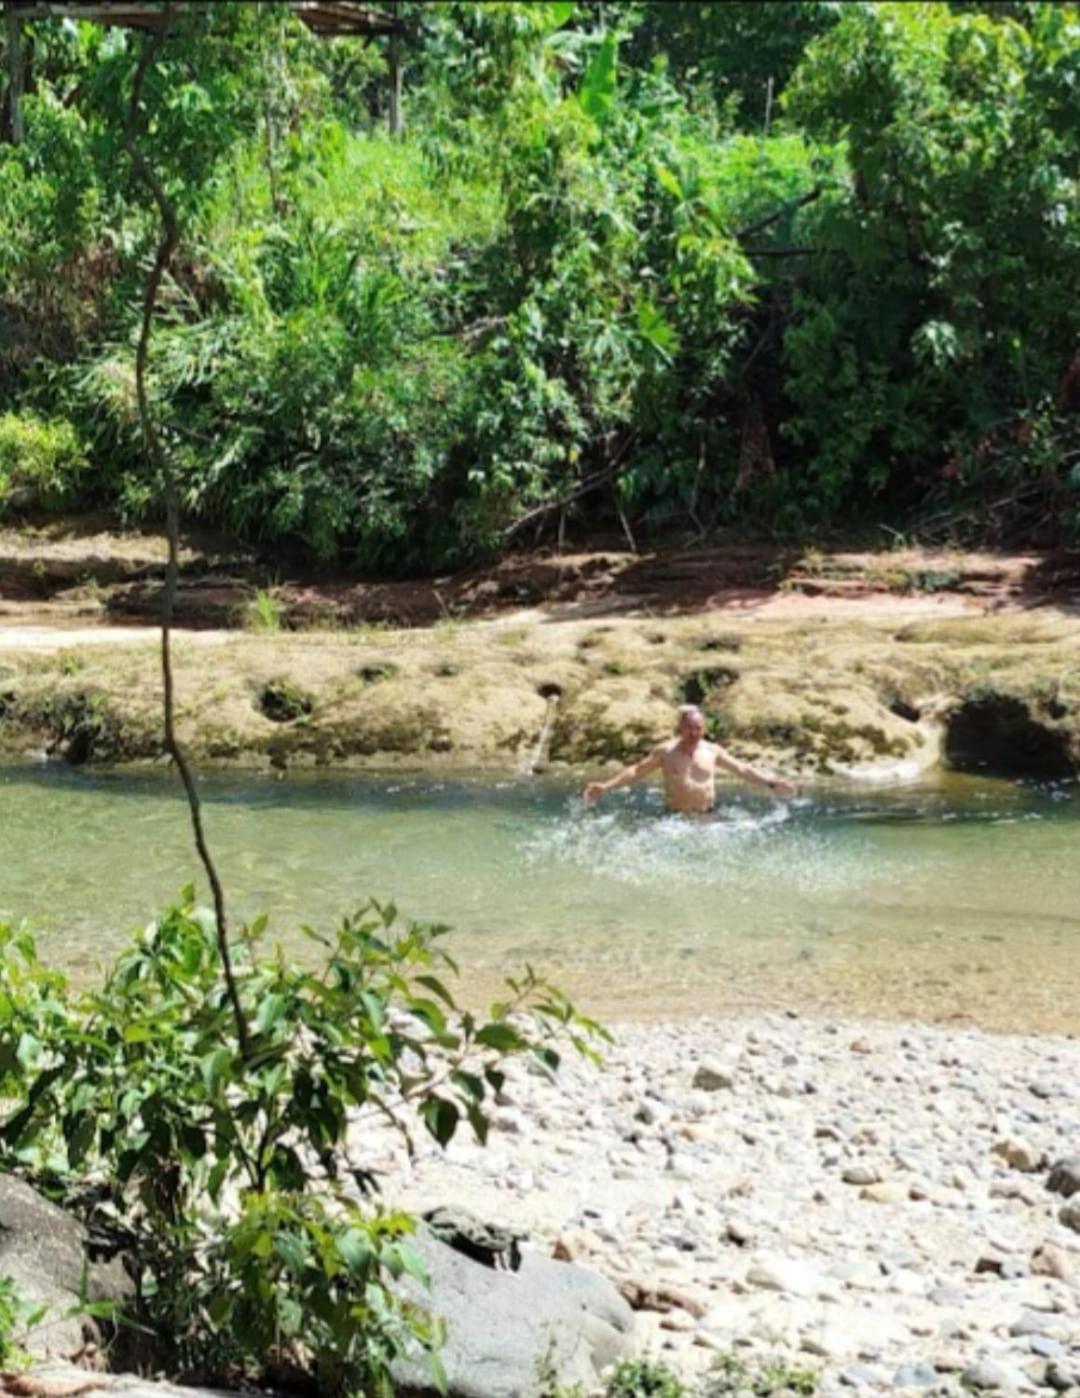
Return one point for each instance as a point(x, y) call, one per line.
point(959, 901)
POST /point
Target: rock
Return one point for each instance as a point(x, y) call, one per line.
point(861, 1174)
point(71, 1379)
point(1020, 1155)
point(1050, 1261)
point(1061, 1375)
point(988, 1373)
point(1064, 1177)
point(1070, 1214)
point(507, 1332)
point(43, 1251)
point(861, 1376)
point(786, 1275)
point(713, 1077)
point(1045, 1347)
point(915, 1376)
point(885, 1192)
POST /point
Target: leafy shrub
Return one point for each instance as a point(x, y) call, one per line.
point(236, 1184)
point(643, 1378)
point(16, 1316)
point(40, 461)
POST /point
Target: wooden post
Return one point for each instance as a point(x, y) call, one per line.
point(395, 75)
point(16, 75)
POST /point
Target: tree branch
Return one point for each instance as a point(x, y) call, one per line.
point(170, 238)
point(770, 219)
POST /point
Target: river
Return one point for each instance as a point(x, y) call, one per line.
point(958, 900)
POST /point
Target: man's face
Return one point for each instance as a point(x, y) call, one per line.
point(691, 728)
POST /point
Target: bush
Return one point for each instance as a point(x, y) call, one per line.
point(40, 461)
point(232, 1181)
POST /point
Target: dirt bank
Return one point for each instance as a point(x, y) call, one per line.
point(820, 695)
point(825, 664)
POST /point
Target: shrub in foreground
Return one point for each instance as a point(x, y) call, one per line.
point(236, 1184)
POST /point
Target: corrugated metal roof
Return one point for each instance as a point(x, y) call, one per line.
point(327, 18)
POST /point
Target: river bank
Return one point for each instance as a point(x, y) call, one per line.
point(880, 665)
point(866, 1201)
point(825, 695)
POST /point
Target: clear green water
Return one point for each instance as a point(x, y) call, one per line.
point(960, 900)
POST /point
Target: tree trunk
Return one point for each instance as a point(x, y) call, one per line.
point(16, 77)
point(395, 75)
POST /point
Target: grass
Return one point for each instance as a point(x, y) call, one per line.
point(264, 613)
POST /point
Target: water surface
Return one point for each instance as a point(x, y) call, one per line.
point(954, 901)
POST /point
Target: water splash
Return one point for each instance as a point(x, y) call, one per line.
point(735, 847)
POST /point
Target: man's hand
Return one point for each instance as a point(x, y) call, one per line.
point(593, 791)
point(780, 786)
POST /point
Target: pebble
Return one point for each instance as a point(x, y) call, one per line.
point(861, 1175)
point(1070, 1214)
point(785, 1274)
point(988, 1373)
point(915, 1376)
point(712, 1077)
point(1021, 1155)
point(886, 1192)
point(1064, 1177)
point(685, 1164)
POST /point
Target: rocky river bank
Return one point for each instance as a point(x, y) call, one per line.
point(869, 1202)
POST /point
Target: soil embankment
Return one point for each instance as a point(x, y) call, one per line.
point(841, 664)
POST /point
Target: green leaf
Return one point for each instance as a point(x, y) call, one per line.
point(216, 1067)
point(354, 1247)
point(501, 1037)
point(441, 1118)
point(29, 1049)
point(271, 1009)
point(597, 92)
point(292, 1251)
point(668, 180)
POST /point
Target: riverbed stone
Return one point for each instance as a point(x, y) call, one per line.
point(1064, 1177)
point(1020, 1154)
point(712, 1076)
point(43, 1251)
point(1070, 1214)
point(993, 1375)
point(511, 1333)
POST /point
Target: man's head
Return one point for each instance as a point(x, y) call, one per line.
point(690, 723)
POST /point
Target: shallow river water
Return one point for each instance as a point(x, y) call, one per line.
point(959, 900)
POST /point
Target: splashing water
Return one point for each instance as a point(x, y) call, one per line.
point(733, 847)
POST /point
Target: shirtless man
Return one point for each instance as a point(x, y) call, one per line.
point(689, 762)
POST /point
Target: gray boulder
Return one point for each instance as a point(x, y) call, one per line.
point(511, 1334)
point(43, 1250)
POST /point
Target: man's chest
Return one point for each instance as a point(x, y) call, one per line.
point(696, 768)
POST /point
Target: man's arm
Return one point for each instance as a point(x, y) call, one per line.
point(630, 774)
point(779, 786)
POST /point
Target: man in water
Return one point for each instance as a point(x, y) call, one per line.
point(688, 763)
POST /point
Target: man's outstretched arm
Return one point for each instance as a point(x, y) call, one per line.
point(779, 786)
point(627, 776)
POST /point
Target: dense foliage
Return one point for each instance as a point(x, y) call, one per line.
point(239, 1187)
point(661, 263)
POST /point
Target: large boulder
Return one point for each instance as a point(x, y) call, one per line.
point(43, 1251)
point(511, 1334)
